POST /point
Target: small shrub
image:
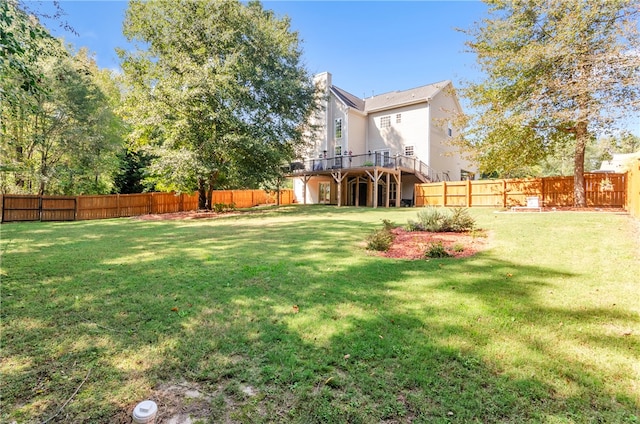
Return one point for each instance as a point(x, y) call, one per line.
point(380, 240)
point(414, 226)
point(432, 219)
point(442, 220)
point(458, 248)
point(461, 220)
point(223, 207)
point(388, 225)
point(436, 250)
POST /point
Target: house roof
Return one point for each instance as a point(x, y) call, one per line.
point(392, 99)
point(348, 98)
point(400, 98)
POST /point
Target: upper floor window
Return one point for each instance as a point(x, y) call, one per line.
point(385, 122)
point(408, 151)
point(398, 118)
point(339, 128)
point(449, 129)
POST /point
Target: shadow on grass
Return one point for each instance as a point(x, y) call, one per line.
point(297, 309)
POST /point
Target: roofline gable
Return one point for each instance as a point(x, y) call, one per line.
point(347, 99)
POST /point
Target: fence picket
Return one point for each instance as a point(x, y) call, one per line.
point(602, 190)
point(65, 208)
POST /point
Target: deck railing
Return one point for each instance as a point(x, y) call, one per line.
point(367, 160)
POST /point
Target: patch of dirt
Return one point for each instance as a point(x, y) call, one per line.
point(178, 403)
point(413, 244)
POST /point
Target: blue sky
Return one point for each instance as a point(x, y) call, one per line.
point(370, 47)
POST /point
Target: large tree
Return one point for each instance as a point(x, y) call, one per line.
point(216, 91)
point(58, 132)
point(557, 73)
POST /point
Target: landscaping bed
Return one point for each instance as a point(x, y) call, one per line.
point(413, 244)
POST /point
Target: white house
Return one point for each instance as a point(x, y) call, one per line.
point(371, 152)
point(619, 162)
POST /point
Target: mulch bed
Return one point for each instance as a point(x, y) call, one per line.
point(413, 244)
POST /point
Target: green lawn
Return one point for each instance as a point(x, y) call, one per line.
point(283, 316)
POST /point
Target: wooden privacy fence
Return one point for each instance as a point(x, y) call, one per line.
point(602, 190)
point(633, 189)
point(65, 208)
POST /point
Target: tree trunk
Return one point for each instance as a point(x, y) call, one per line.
point(210, 198)
point(202, 194)
point(212, 181)
point(582, 137)
point(20, 160)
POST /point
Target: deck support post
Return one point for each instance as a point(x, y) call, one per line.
point(305, 180)
point(339, 177)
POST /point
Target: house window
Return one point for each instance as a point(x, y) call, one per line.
point(449, 129)
point(385, 122)
point(398, 118)
point(339, 128)
point(325, 193)
point(382, 158)
point(337, 160)
point(393, 191)
point(408, 151)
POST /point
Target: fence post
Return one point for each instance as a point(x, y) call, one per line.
point(75, 208)
point(504, 193)
point(444, 193)
point(468, 193)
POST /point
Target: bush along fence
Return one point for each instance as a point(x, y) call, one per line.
point(71, 208)
point(606, 190)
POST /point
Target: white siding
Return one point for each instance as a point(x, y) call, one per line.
point(337, 110)
point(313, 195)
point(413, 130)
point(443, 156)
point(356, 136)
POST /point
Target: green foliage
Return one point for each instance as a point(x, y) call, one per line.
point(557, 72)
point(461, 220)
point(218, 92)
point(430, 219)
point(435, 220)
point(436, 250)
point(131, 174)
point(381, 239)
point(458, 248)
point(59, 134)
point(20, 36)
point(223, 207)
point(388, 225)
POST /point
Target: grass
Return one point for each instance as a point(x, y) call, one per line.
point(543, 327)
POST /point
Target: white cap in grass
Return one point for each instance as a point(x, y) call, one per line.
point(145, 412)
